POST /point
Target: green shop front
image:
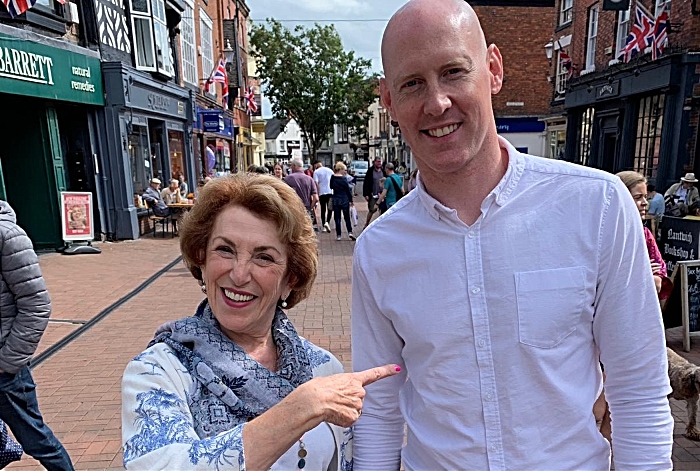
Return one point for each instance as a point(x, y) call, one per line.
point(49, 92)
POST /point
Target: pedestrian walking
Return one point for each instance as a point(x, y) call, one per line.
point(322, 177)
point(25, 309)
point(305, 187)
point(523, 272)
point(392, 191)
point(372, 188)
point(342, 200)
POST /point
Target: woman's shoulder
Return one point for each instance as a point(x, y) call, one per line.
point(323, 362)
point(158, 359)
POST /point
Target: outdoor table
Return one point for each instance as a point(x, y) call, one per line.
point(181, 205)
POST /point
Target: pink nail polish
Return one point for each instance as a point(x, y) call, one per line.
point(398, 368)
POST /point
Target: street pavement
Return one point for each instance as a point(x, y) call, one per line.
point(79, 384)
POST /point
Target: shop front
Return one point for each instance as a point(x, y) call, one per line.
point(640, 116)
point(147, 133)
point(525, 133)
point(50, 91)
point(213, 142)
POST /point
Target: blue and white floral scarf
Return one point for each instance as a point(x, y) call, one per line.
point(230, 387)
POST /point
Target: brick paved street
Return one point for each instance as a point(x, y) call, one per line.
point(79, 386)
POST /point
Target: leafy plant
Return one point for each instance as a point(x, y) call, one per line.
point(308, 76)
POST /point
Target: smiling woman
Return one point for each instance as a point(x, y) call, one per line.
point(234, 385)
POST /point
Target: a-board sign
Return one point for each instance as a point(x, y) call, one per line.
point(683, 306)
point(76, 216)
point(679, 240)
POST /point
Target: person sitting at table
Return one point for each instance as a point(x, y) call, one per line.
point(172, 193)
point(154, 199)
point(234, 386)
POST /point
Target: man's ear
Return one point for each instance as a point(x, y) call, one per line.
point(385, 96)
point(495, 68)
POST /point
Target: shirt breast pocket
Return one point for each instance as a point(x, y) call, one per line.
point(550, 303)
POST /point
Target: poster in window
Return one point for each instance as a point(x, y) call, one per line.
point(76, 215)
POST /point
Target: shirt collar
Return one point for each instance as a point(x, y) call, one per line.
point(501, 193)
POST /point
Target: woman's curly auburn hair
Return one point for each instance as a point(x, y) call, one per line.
point(270, 199)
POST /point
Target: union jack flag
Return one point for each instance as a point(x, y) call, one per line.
point(219, 75)
point(17, 7)
point(250, 100)
point(641, 35)
point(660, 35)
point(567, 64)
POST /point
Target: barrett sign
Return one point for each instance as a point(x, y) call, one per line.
point(33, 69)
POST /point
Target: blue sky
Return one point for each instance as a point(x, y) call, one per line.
point(363, 37)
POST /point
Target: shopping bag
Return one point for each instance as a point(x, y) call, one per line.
point(353, 215)
point(10, 450)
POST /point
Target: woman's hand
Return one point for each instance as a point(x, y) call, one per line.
point(338, 399)
point(657, 283)
point(655, 268)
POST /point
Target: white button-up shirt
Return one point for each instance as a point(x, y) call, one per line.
point(499, 327)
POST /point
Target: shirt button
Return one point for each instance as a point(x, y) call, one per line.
point(494, 448)
point(482, 342)
point(476, 290)
point(489, 397)
point(472, 235)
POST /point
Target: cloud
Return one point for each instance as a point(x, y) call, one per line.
point(332, 6)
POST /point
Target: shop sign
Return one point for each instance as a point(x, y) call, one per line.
point(608, 90)
point(28, 68)
point(212, 121)
point(525, 125)
point(156, 101)
point(76, 219)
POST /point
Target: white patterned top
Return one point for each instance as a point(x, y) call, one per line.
point(158, 430)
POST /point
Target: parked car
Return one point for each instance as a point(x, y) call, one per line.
point(360, 168)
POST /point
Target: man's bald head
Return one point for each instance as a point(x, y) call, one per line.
point(434, 15)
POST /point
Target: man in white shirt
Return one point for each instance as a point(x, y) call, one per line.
point(509, 278)
point(322, 177)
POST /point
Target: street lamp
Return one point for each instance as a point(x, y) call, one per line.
point(229, 52)
point(548, 50)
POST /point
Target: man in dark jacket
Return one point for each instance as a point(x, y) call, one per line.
point(25, 308)
point(371, 188)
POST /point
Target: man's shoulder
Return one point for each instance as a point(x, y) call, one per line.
point(560, 168)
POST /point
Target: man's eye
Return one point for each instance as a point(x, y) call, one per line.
point(411, 83)
point(453, 71)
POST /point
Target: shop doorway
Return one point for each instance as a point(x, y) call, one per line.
point(33, 167)
point(609, 151)
point(159, 148)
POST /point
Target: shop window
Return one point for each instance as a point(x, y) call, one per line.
point(562, 77)
point(188, 44)
point(557, 143)
point(591, 42)
point(648, 140)
point(566, 12)
point(49, 5)
point(141, 169)
point(151, 42)
point(585, 136)
point(623, 29)
point(205, 34)
point(176, 146)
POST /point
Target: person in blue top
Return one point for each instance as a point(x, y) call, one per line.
point(656, 201)
point(393, 181)
point(342, 199)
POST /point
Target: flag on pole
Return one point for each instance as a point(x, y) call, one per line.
point(17, 7)
point(660, 35)
point(250, 101)
point(566, 63)
point(219, 75)
point(640, 36)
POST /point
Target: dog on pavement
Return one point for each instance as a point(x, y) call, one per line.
point(685, 381)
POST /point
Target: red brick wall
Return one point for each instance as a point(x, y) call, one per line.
point(685, 29)
point(520, 33)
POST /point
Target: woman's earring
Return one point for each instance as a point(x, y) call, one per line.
point(204, 288)
point(284, 303)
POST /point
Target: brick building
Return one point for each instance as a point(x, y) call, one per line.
point(639, 114)
point(520, 29)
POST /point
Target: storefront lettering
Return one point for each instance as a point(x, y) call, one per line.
point(26, 66)
point(158, 102)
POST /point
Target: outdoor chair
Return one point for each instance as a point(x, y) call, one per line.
point(164, 221)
